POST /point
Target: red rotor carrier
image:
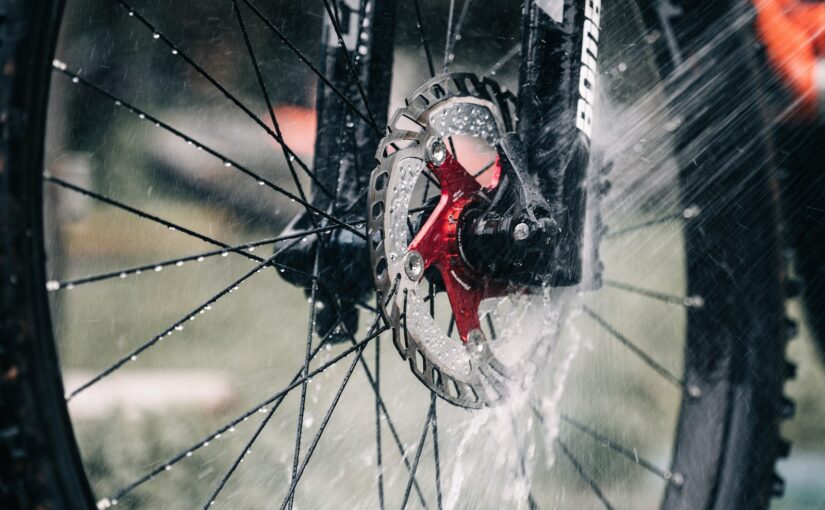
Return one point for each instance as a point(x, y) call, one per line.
point(437, 243)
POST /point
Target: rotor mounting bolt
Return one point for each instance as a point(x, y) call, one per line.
point(414, 265)
point(475, 341)
point(521, 232)
point(436, 151)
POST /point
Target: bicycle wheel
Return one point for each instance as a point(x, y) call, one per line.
point(684, 328)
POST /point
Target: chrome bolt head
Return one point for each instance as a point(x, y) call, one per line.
point(436, 151)
point(475, 342)
point(414, 265)
point(521, 232)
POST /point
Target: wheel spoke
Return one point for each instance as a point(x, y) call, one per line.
point(227, 162)
point(373, 382)
point(303, 398)
point(445, 60)
point(265, 93)
point(251, 442)
point(322, 427)
point(456, 35)
point(640, 353)
point(436, 459)
point(378, 452)
point(515, 50)
point(178, 325)
point(584, 475)
point(688, 301)
point(55, 285)
point(632, 455)
point(160, 36)
point(277, 397)
point(418, 451)
point(486, 167)
point(312, 67)
point(142, 214)
point(422, 33)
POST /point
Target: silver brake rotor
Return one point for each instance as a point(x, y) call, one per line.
point(474, 375)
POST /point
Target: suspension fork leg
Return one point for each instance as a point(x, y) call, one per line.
point(557, 92)
point(352, 99)
point(345, 142)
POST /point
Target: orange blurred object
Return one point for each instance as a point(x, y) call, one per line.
point(794, 35)
point(298, 126)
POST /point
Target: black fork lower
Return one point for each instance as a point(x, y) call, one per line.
point(356, 47)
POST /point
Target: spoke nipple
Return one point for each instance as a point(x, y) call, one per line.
point(59, 64)
point(436, 151)
point(521, 232)
point(414, 265)
point(694, 391)
point(677, 479)
point(694, 301)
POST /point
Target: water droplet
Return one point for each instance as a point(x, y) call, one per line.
point(133, 357)
point(227, 164)
point(179, 263)
point(692, 212)
point(308, 421)
point(225, 254)
point(75, 80)
point(52, 285)
point(158, 269)
point(141, 116)
point(156, 36)
point(123, 275)
point(178, 328)
point(167, 467)
point(200, 259)
point(174, 51)
point(261, 183)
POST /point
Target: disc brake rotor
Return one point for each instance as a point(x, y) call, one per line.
point(465, 372)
